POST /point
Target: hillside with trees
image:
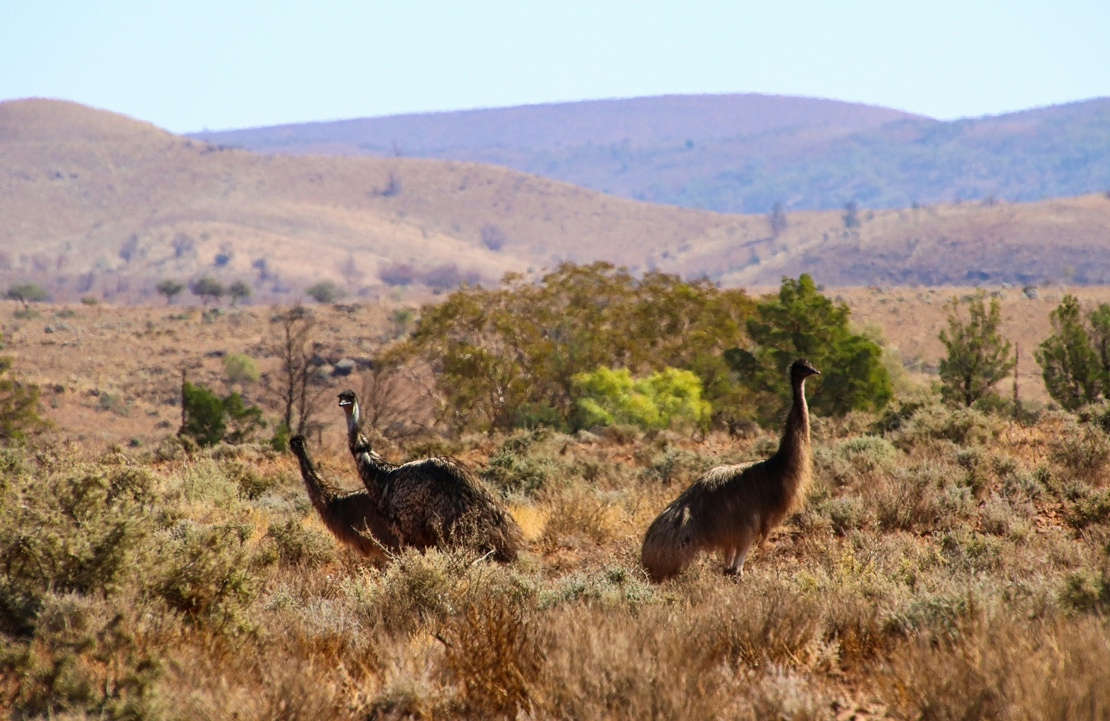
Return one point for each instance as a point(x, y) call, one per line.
point(100, 206)
point(743, 153)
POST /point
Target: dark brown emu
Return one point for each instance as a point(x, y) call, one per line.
point(351, 515)
point(434, 501)
point(730, 507)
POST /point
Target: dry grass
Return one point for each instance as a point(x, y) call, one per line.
point(926, 578)
point(956, 567)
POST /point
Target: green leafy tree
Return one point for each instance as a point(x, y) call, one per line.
point(324, 291)
point(1073, 360)
point(671, 397)
point(202, 415)
point(207, 289)
point(209, 419)
point(169, 288)
point(18, 405)
point(505, 355)
point(801, 322)
point(238, 291)
point(27, 293)
point(977, 354)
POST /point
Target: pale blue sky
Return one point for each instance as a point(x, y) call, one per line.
point(227, 64)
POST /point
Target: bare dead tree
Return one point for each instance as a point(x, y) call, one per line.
point(291, 341)
point(392, 402)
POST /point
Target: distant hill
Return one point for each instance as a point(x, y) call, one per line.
point(98, 203)
point(742, 153)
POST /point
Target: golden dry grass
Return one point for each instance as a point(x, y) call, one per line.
point(925, 578)
point(954, 568)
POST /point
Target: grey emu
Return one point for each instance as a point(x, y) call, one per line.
point(352, 516)
point(433, 501)
point(730, 507)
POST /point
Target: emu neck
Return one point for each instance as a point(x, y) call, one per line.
point(319, 492)
point(795, 438)
point(352, 426)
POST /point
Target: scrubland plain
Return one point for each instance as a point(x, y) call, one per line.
point(947, 564)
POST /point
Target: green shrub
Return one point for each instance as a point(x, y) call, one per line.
point(1084, 451)
point(1088, 508)
point(1085, 592)
point(963, 426)
point(515, 466)
point(27, 293)
point(504, 354)
point(324, 291)
point(208, 573)
point(210, 419)
point(240, 368)
point(18, 405)
point(1074, 359)
point(299, 546)
point(668, 398)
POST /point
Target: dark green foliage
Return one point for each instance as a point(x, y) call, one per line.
point(1075, 359)
point(508, 356)
point(18, 404)
point(203, 413)
point(238, 291)
point(801, 322)
point(978, 356)
point(209, 419)
point(207, 289)
point(169, 288)
point(324, 292)
point(27, 293)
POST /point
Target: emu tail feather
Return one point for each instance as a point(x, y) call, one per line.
point(670, 543)
point(505, 538)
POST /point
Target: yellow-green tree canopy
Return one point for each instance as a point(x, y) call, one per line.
point(507, 356)
point(667, 398)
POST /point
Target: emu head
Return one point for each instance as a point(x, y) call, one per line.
point(297, 443)
point(801, 369)
point(348, 401)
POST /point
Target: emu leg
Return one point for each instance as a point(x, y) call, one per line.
point(734, 558)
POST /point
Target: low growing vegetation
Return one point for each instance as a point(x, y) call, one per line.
point(950, 561)
point(959, 565)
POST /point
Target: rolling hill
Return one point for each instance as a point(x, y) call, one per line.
point(97, 203)
point(742, 153)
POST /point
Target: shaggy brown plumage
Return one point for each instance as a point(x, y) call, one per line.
point(730, 507)
point(434, 501)
point(352, 516)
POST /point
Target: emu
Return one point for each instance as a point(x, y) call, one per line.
point(352, 516)
point(729, 508)
point(432, 502)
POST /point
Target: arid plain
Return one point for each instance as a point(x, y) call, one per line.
point(951, 564)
